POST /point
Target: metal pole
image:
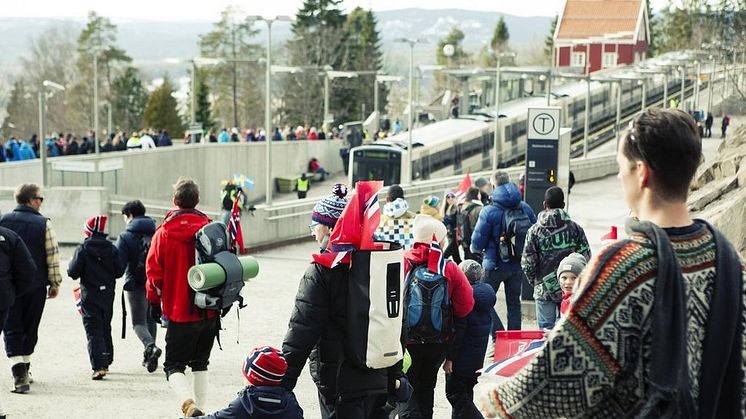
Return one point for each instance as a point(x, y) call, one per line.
point(665, 90)
point(235, 75)
point(497, 146)
point(549, 87)
point(587, 114)
point(696, 86)
point(326, 97)
point(725, 81)
point(42, 145)
point(375, 102)
point(411, 111)
point(618, 109)
point(268, 115)
point(644, 96)
point(95, 104)
point(194, 93)
point(108, 119)
point(710, 87)
point(683, 87)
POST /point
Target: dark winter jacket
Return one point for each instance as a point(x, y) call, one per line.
point(261, 403)
point(316, 332)
point(487, 232)
point(472, 333)
point(128, 245)
point(31, 227)
point(164, 140)
point(17, 268)
point(96, 262)
point(551, 239)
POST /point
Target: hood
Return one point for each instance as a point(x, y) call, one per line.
point(428, 210)
point(98, 246)
point(484, 297)
point(418, 254)
point(141, 225)
point(553, 218)
point(506, 195)
point(252, 400)
point(184, 226)
point(396, 208)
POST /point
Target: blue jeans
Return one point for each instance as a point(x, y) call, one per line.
point(512, 282)
point(547, 313)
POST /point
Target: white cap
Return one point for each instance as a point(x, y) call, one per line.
point(425, 226)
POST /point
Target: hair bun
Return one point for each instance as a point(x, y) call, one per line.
point(339, 190)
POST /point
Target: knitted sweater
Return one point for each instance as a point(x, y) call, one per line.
point(595, 361)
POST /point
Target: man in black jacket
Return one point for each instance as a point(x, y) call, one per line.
point(22, 325)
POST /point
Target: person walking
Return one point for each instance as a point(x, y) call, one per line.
point(17, 269)
point(708, 125)
point(551, 239)
point(21, 327)
point(190, 332)
point(633, 342)
point(490, 232)
point(96, 263)
point(468, 217)
point(724, 125)
point(133, 245)
point(450, 213)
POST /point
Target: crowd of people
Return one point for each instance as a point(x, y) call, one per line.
point(653, 325)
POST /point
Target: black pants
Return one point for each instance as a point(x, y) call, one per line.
point(460, 393)
point(452, 250)
point(98, 308)
point(364, 407)
point(189, 344)
point(302, 194)
point(423, 375)
point(21, 327)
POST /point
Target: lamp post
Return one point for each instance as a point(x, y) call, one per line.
point(267, 101)
point(696, 85)
point(42, 142)
point(95, 105)
point(683, 85)
point(411, 43)
point(328, 77)
point(497, 147)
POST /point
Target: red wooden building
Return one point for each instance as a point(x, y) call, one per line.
point(610, 32)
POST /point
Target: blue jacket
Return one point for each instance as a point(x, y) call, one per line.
point(487, 232)
point(261, 403)
point(25, 152)
point(128, 245)
point(472, 333)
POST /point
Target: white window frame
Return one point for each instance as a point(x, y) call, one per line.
point(610, 59)
point(577, 59)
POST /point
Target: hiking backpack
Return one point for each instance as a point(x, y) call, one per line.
point(428, 310)
point(514, 228)
point(374, 307)
point(211, 246)
point(463, 221)
point(142, 257)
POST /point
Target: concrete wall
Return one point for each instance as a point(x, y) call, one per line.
point(149, 174)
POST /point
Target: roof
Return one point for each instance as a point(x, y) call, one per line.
point(438, 132)
point(583, 19)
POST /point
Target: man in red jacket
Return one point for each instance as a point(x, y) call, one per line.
point(190, 332)
point(427, 356)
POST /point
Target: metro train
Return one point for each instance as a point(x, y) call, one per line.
point(455, 146)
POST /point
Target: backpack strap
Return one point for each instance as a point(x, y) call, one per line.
point(124, 318)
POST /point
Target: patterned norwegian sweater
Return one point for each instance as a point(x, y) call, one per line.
point(595, 360)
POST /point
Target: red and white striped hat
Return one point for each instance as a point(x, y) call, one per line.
point(265, 366)
point(95, 224)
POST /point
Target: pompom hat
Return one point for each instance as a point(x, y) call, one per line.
point(265, 366)
point(95, 224)
point(328, 210)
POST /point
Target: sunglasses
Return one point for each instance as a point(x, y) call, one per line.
point(40, 198)
point(312, 226)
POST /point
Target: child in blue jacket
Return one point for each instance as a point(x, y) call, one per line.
point(469, 345)
point(263, 397)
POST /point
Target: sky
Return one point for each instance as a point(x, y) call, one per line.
point(209, 10)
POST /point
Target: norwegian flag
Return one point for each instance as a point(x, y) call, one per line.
point(509, 366)
point(436, 263)
point(609, 237)
point(355, 227)
point(462, 188)
point(234, 227)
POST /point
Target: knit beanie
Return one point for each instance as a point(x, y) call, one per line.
point(574, 262)
point(432, 201)
point(265, 366)
point(425, 226)
point(472, 269)
point(480, 181)
point(95, 224)
point(328, 210)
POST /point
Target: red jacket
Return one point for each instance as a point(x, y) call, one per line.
point(172, 253)
point(459, 290)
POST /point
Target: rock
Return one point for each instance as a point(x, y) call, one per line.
point(741, 175)
point(705, 177)
point(711, 192)
point(728, 215)
point(728, 167)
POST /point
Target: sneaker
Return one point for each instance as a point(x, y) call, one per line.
point(190, 409)
point(20, 378)
point(98, 375)
point(154, 353)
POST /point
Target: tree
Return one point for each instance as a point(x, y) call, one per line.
point(549, 40)
point(204, 108)
point(500, 36)
point(460, 57)
point(161, 113)
point(22, 112)
point(130, 98)
point(365, 56)
point(238, 86)
point(653, 25)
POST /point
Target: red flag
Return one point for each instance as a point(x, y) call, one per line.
point(463, 187)
point(611, 235)
point(436, 263)
point(355, 226)
point(234, 227)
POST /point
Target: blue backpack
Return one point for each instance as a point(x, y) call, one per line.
point(429, 314)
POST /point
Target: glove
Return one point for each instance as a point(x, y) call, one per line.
point(156, 312)
point(405, 390)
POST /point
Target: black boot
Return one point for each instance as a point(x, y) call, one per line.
point(28, 371)
point(20, 377)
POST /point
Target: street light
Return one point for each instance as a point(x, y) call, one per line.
point(108, 116)
point(267, 99)
point(42, 142)
point(411, 43)
point(586, 119)
point(497, 147)
point(330, 75)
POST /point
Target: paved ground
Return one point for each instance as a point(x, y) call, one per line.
point(60, 366)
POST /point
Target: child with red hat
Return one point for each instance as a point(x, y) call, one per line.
point(263, 396)
point(96, 263)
